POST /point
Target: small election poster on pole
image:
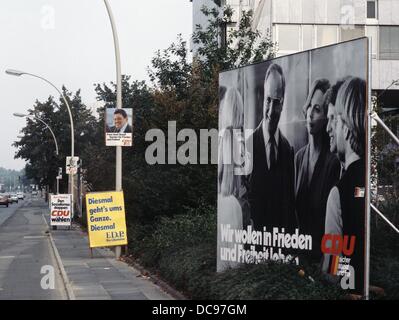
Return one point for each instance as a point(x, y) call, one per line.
point(60, 210)
point(106, 220)
point(118, 127)
point(71, 165)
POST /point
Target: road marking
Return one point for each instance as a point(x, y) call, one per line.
point(34, 237)
point(7, 257)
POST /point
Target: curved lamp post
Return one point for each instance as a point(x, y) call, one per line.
point(118, 166)
point(21, 115)
point(19, 73)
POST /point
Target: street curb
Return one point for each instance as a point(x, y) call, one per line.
point(153, 278)
point(64, 276)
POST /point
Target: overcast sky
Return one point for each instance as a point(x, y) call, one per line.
point(70, 42)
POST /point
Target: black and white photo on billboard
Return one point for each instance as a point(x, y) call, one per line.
point(297, 124)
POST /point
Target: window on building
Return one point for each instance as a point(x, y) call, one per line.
point(350, 32)
point(389, 43)
point(326, 35)
point(288, 38)
point(372, 9)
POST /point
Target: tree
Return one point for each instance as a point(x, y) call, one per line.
point(183, 91)
point(37, 145)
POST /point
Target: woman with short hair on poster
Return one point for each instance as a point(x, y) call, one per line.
point(316, 170)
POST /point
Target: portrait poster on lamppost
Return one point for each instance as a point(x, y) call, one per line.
point(118, 127)
point(293, 161)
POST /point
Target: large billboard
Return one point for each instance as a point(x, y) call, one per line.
point(292, 162)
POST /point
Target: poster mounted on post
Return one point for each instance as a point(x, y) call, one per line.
point(118, 127)
point(71, 165)
point(60, 210)
point(106, 220)
point(292, 163)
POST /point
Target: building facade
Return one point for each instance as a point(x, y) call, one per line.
point(298, 25)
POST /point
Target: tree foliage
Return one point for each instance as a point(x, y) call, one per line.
point(37, 146)
point(182, 89)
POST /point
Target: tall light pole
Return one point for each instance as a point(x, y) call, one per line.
point(21, 115)
point(118, 165)
point(71, 180)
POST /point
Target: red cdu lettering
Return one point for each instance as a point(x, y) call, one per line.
point(349, 251)
point(60, 213)
point(338, 244)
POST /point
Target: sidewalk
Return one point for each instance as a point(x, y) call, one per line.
point(101, 277)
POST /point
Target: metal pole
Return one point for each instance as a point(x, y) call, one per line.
point(375, 116)
point(52, 133)
point(118, 165)
point(68, 107)
point(368, 177)
point(71, 181)
point(385, 219)
point(70, 178)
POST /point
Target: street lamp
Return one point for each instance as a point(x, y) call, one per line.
point(118, 165)
point(19, 73)
point(21, 115)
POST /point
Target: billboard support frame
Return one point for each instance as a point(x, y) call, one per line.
point(368, 173)
point(372, 115)
point(375, 116)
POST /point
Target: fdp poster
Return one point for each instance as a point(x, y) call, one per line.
point(106, 219)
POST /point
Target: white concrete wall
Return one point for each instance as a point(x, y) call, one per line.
point(388, 12)
point(319, 11)
point(383, 73)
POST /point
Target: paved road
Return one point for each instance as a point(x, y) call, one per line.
point(24, 251)
point(5, 212)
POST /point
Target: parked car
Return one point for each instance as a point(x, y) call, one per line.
point(8, 197)
point(20, 195)
point(3, 200)
point(14, 197)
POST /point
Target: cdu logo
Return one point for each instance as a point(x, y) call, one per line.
point(336, 244)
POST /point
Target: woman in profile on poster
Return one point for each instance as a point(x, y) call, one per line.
point(316, 170)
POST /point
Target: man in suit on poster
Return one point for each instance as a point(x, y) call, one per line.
point(121, 123)
point(271, 183)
